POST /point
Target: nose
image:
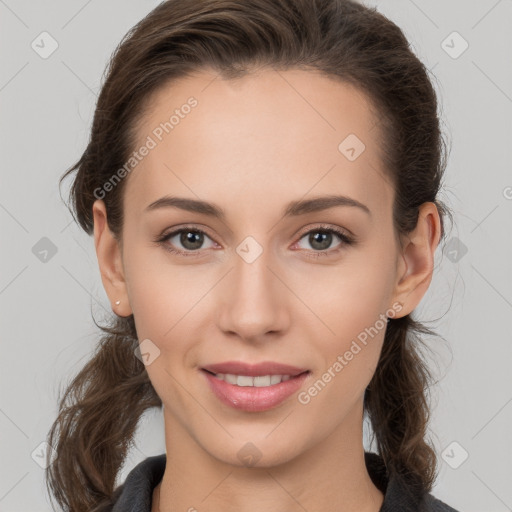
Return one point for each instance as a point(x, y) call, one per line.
point(253, 300)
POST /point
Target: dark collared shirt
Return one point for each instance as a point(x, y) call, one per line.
point(136, 493)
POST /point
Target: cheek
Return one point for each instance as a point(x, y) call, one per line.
point(352, 297)
point(163, 296)
point(350, 355)
point(352, 304)
point(165, 305)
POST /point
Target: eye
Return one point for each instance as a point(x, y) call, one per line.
point(191, 239)
point(321, 239)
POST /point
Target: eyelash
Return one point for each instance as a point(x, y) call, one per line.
point(346, 240)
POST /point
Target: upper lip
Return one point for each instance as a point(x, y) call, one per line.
point(254, 370)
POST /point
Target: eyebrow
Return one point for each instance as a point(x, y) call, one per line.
point(293, 209)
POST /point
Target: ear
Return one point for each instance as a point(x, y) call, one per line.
point(416, 264)
point(110, 261)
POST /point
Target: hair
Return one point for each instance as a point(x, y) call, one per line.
point(341, 39)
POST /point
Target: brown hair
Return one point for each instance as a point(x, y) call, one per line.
point(342, 39)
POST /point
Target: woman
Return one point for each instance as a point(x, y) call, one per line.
point(262, 184)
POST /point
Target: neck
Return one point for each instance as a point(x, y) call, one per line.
point(331, 476)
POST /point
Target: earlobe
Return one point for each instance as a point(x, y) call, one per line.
point(417, 266)
point(110, 261)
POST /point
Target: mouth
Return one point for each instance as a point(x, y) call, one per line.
point(254, 393)
point(261, 369)
point(258, 381)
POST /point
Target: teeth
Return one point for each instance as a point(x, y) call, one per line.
point(258, 382)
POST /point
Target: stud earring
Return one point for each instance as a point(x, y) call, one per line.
point(118, 302)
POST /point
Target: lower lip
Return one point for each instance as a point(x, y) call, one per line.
point(254, 399)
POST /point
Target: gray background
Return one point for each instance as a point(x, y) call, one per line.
point(47, 330)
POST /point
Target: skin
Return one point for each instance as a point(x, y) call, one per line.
point(251, 146)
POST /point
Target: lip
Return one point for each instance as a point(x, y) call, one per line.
point(254, 370)
point(254, 399)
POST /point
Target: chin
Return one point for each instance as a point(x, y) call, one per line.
point(260, 452)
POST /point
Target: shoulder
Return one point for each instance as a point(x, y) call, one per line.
point(433, 504)
point(399, 494)
point(136, 493)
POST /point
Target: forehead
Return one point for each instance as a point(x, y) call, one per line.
point(267, 138)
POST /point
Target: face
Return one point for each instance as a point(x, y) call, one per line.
point(269, 278)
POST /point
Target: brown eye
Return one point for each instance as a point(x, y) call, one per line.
point(185, 241)
point(191, 240)
point(321, 239)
